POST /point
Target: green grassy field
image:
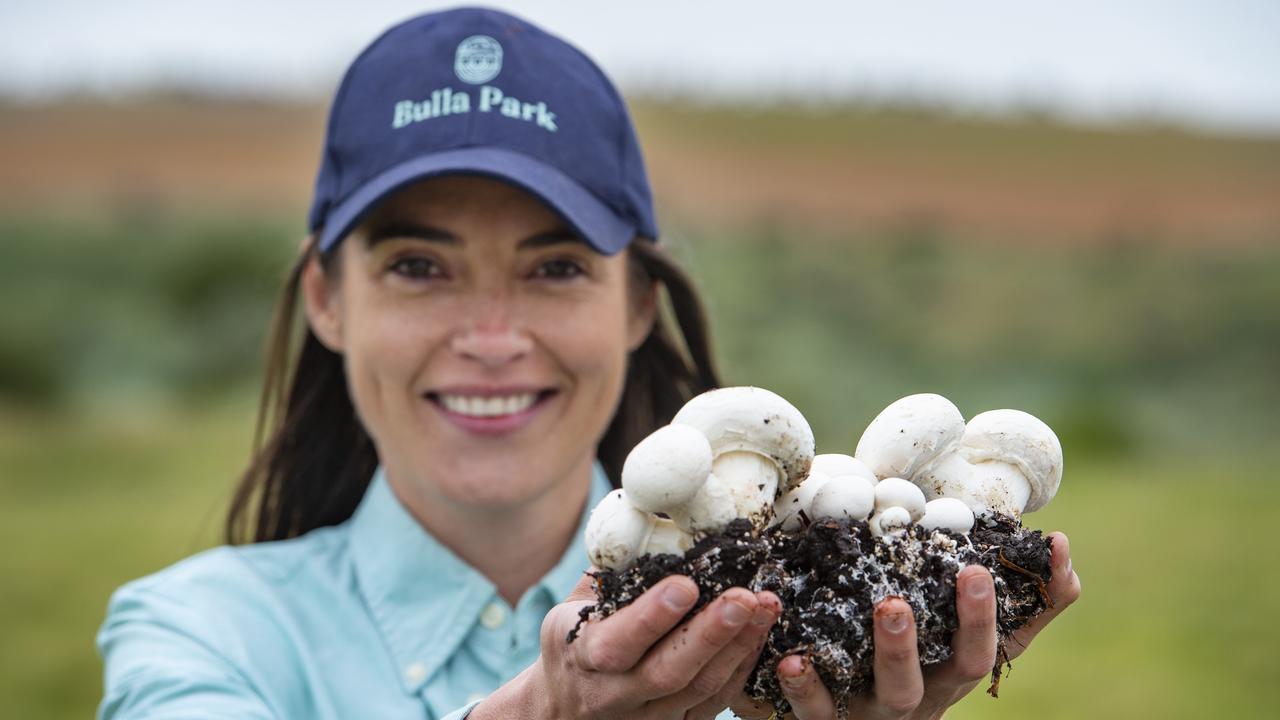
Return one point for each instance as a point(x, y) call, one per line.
point(1175, 620)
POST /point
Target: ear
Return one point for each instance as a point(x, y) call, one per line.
point(323, 303)
point(644, 311)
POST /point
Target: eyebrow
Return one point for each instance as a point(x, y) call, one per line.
point(382, 233)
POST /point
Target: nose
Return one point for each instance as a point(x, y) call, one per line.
point(491, 339)
point(492, 347)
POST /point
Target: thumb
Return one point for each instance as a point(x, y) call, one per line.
point(585, 589)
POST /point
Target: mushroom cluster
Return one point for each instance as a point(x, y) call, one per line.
point(745, 452)
point(731, 494)
point(1002, 461)
point(726, 455)
point(919, 462)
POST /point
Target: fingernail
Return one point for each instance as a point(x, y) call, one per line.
point(677, 596)
point(735, 614)
point(1068, 567)
point(795, 682)
point(762, 617)
point(895, 622)
point(978, 588)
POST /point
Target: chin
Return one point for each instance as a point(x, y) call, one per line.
point(494, 483)
point(493, 498)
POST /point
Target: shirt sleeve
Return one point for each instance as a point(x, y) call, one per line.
point(162, 661)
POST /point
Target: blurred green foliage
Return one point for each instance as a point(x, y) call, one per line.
point(141, 304)
point(1121, 346)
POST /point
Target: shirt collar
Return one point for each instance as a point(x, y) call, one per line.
point(424, 598)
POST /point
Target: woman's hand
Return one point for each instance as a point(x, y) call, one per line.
point(902, 689)
point(638, 663)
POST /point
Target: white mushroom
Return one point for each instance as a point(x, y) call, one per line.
point(617, 533)
point(665, 470)
point(666, 538)
point(838, 503)
point(844, 496)
point(947, 514)
point(1022, 441)
point(713, 508)
point(909, 434)
point(890, 520)
point(897, 503)
point(835, 464)
point(1003, 461)
point(896, 492)
point(759, 444)
point(789, 505)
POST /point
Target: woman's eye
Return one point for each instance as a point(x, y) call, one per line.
point(416, 267)
point(559, 269)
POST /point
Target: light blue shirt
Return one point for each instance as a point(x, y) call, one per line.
point(372, 618)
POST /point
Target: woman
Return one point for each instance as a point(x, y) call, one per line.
point(483, 347)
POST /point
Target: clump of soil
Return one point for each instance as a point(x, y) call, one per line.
point(831, 574)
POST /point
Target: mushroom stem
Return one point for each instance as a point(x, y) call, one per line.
point(752, 480)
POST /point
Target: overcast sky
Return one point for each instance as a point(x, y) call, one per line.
point(1212, 62)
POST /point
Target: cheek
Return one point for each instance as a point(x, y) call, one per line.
point(384, 356)
point(591, 339)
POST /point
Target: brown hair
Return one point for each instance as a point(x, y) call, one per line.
point(312, 459)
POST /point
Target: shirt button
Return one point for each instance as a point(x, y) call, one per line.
point(493, 616)
point(475, 697)
point(416, 673)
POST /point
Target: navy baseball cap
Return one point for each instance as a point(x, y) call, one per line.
point(480, 92)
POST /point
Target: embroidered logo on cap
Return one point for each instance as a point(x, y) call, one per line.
point(479, 59)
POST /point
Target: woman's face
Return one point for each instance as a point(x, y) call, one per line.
point(485, 346)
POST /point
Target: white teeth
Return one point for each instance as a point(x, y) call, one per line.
point(488, 407)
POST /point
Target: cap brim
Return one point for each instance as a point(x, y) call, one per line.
point(589, 217)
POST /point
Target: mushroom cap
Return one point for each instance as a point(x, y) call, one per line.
point(665, 470)
point(851, 496)
point(1022, 440)
point(889, 520)
point(756, 420)
point(947, 513)
point(909, 434)
point(616, 531)
point(896, 492)
point(835, 465)
point(789, 505)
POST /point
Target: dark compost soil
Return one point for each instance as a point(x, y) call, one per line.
point(831, 574)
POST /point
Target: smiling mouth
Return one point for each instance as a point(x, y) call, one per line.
point(488, 406)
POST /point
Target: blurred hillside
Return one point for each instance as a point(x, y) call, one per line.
point(1027, 180)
